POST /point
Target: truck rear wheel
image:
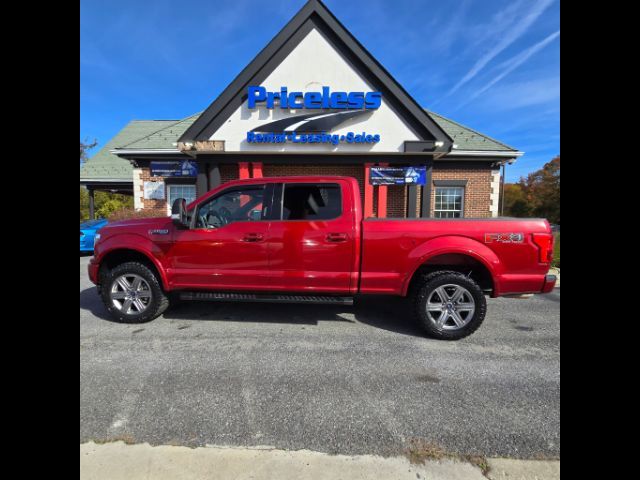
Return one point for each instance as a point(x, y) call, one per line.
point(449, 305)
point(132, 293)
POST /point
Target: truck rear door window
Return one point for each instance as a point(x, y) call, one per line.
point(311, 202)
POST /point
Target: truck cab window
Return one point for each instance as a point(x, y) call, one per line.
point(237, 205)
point(311, 202)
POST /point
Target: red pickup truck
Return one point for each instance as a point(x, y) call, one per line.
point(303, 239)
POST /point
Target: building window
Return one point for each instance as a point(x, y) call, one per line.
point(449, 202)
point(188, 192)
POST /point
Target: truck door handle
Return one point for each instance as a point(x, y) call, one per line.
point(337, 237)
point(253, 237)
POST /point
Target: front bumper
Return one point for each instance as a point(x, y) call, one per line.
point(549, 283)
point(86, 244)
point(92, 268)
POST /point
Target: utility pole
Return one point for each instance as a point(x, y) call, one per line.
point(504, 169)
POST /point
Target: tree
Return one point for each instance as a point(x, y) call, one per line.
point(542, 188)
point(84, 203)
point(537, 195)
point(106, 203)
point(84, 148)
point(515, 201)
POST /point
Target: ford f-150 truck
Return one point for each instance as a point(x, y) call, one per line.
point(304, 239)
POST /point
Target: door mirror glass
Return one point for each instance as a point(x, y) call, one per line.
point(179, 213)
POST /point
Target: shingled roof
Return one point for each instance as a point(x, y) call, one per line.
point(105, 166)
point(465, 138)
point(165, 137)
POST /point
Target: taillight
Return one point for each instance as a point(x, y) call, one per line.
point(544, 241)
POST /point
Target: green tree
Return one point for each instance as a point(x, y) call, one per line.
point(542, 188)
point(515, 201)
point(84, 203)
point(537, 195)
point(105, 203)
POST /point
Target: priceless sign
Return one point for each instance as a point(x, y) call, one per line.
point(398, 175)
point(314, 100)
point(178, 168)
point(315, 127)
point(154, 190)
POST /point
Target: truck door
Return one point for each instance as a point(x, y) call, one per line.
point(311, 240)
point(226, 247)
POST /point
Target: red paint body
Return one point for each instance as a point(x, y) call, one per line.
point(344, 256)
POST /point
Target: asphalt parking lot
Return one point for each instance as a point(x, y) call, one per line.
point(335, 379)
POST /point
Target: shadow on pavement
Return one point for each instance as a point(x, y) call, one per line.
point(387, 313)
point(91, 301)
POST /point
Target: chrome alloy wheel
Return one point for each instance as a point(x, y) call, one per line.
point(131, 294)
point(450, 307)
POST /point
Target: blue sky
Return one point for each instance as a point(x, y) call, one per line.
point(492, 65)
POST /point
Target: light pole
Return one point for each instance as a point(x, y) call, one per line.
point(504, 169)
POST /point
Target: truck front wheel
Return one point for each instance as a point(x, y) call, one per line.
point(449, 305)
point(132, 293)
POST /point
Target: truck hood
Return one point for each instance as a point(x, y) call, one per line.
point(139, 222)
point(137, 225)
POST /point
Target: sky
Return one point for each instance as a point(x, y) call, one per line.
point(492, 65)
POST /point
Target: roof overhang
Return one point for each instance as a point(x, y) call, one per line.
point(484, 153)
point(137, 151)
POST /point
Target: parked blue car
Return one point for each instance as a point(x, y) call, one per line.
point(88, 232)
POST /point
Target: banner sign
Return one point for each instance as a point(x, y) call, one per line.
point(178, 168)
point(154, 190)
point(398, 175)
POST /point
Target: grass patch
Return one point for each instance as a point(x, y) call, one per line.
point(556, 250)
point(419, 451)
point(128, 439)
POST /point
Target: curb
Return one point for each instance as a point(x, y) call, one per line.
point(115, 461)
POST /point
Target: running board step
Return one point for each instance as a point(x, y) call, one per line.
point(270, 298)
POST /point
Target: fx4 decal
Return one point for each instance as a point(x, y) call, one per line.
point(503, 237)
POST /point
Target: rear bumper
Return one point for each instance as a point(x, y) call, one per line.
point(549, 283)
point(93, 270)
point(519, 284)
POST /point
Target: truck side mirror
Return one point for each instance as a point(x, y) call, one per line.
point(179, 213)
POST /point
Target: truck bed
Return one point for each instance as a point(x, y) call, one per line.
point(392, 250)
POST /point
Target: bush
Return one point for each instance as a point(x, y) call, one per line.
point(556, 250)
point(105, 203)
point(130, 213)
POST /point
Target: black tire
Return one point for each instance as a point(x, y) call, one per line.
point(428, 284)
point(158, 302)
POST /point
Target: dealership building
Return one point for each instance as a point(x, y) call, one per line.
point(312, 102)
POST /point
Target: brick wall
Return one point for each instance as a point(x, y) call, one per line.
point(157, 206)
point(477, 193)
point(229, 172)
point(477, 198)
point(396, 201)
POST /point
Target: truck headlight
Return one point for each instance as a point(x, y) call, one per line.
point(96, 239)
